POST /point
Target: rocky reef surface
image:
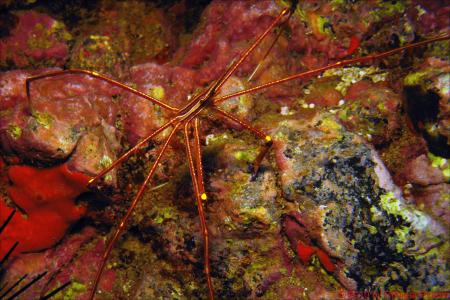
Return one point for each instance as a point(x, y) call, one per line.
point(353, 198)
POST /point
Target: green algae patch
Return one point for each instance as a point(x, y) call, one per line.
point(245, 155)
point(401, 238)
point(377, 215)
point(299, 12)
point(329, 126)
point(436, 161)
point(336, 3)
point(44, 119)
point(74, 289)
point(388, 8)
point(390, 204)
point(443, 84)
point(329, 123)
point(395, 207)
point(15, 131)
point(372, 229)
point(344, 114)
point(321, 24)
point(418, 224)
point(439, 49)
point(157, 92)
point(440, 163)
point(255, 214)
point(105, 161)
point(350, 75)
point(59, 29)
point(415, 78)
point(42, 37)
point(429, 78)
point(255, 270)
point(164, 214)
point(218, 139)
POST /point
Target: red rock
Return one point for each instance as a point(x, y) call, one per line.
point(65, 262)
point(354, 44)
point(434, 200)
point(47, 197)
point(142, 117)
point(419, 171)
point(69, 115)
point(323, 93)
point(305, 252)
point(373, 110)
point(37, 39)
point(325, 260)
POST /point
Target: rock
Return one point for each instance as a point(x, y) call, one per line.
point(434, 200)
point(66, 262)
point(321, 216)
point(427, 101)
point(47, 202)
point(350, 208)
point(123, 35)
point(171, 85)
point(371, 110)
point(38, 40)
point(421, 172)
point(62, 116)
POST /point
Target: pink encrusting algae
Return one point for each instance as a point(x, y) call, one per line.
point(37, 38)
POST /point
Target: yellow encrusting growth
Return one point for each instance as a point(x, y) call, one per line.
point(268, 138)
point(157, 92)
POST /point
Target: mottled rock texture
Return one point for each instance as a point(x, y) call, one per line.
point(352, 196)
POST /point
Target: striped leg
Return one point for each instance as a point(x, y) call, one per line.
point(124, 220)
point(194, 157)
point(125, 87)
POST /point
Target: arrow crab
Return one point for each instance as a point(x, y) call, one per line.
point(233, 80)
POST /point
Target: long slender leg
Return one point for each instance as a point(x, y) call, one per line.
point(258, 133)
point(261, 62)
point(98, 76)
point(129, 152)
point(230, 70)
point(135, 201)
point(338, 64)
point(221, 81)
point(201, 213)
point(198, 159)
